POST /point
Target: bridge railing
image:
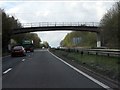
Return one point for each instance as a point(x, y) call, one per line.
point(47, 24)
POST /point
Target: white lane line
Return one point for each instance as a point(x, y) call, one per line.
point(6, 56)
point(91, 78)
point(44, 50)
point(23, 60)
point(7, 70)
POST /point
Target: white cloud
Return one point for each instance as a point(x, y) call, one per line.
point(1, 3)
point(58, 11)
point(102, 8)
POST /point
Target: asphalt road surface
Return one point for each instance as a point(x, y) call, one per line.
point(41, 69)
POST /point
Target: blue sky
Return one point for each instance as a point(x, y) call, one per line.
point(56, 11)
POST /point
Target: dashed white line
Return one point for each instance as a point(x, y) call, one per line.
point(7, 70)
point(23, 60)
point(86, 75)
point(6, 56)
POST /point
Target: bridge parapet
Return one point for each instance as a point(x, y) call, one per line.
point(49, 24)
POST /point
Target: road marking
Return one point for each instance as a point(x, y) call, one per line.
point(23, 60)
point(86, 75)
point(7, 70)
point(42, 50)
point(6, 56)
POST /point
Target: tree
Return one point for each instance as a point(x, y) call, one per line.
point(86, 39)
point(8, 23)
point(109, 23)
point(45, 44)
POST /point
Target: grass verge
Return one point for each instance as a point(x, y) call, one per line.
point(104, 65)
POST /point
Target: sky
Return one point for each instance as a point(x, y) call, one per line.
point(56, 11)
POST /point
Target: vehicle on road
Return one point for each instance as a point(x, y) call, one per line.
point(28, 45)
point(18, 51)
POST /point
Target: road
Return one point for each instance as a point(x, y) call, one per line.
point(42, 70)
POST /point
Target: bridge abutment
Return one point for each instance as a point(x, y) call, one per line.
point(98, 40)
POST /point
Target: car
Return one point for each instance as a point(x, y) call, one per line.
point(18, 51)
point(29, 48)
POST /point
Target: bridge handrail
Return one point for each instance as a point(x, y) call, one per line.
point(47, 24)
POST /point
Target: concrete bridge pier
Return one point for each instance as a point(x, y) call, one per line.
point(98, 39)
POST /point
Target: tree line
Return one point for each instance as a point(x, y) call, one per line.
point(110, 32)
point(86, 39)
point(8, 23)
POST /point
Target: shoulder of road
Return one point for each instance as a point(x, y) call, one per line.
point(104, 79)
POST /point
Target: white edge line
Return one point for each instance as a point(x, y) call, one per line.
point(6, 56)
point(7, 70)
point(91, 78)
point(23, 60)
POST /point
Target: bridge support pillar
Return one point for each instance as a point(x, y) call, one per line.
point(98, 40)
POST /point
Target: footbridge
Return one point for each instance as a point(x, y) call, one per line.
point(60, 26)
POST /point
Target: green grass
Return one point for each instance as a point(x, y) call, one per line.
point(108, 66)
